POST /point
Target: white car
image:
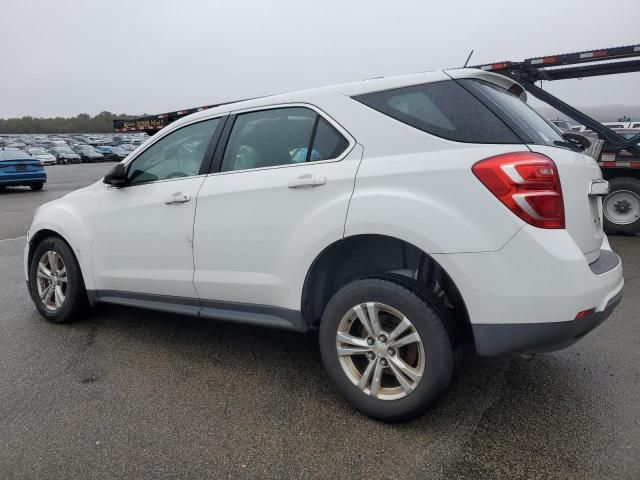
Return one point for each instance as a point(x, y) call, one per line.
point(403, 217)
point(42, 155)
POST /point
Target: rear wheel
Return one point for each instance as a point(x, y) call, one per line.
point(621, 207)
point(37, 186)
point(56, 283)
point(386, 349)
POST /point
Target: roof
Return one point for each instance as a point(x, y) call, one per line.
point(347, 89)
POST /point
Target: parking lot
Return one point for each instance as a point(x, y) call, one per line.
point(135, 394)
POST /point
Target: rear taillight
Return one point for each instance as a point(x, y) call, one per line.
point(526, 183)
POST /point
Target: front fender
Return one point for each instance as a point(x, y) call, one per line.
point(69, 217)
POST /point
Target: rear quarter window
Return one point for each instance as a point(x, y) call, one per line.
point(444, 109)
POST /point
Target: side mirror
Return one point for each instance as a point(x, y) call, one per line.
point(117, 176)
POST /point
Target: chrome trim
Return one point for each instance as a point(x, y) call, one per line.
point(598, 186)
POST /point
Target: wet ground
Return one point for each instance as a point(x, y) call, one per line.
point(134, 394)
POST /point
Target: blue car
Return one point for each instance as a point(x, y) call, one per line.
point(112, 153)
point(20, 168)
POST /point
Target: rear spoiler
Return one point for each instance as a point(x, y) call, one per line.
point(497, 79)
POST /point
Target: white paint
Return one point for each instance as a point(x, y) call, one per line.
point(254, 239)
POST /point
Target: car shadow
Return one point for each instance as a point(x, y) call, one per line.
point(12, 190)
point(266, 390)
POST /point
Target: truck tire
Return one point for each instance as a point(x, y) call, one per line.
point(621, 207)
point(385, 349)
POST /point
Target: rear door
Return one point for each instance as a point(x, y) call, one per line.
point(286, 174)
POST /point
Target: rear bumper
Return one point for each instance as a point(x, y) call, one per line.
point(23, 178)
point(523, 297)
point(501, 339)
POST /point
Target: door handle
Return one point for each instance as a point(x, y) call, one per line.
point(307, 181)
point(177, 197)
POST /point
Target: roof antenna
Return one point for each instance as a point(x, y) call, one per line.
point(468, 58)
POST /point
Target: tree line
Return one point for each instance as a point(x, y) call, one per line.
point(83, 123)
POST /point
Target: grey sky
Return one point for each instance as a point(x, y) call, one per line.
point(66, 57)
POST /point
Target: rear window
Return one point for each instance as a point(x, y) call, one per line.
point(526, 122)
point(14, 155)
point(444, 109)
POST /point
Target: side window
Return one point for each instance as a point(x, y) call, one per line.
point(327, 142)
point(179, 154)
point(280, 136)
point(444, 109)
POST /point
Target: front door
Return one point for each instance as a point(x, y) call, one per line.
point(143, 231)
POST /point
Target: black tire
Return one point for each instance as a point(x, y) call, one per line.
point(632, 186)
point(76, 303)
point(37, 186)
point(439, 355)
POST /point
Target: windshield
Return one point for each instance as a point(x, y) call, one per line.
point(65, 150)
point(37, 151)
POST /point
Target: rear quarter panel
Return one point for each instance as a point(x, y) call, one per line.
point(420, 188)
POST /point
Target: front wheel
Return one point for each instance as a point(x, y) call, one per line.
point(55, 282)
point(386, 349)
point(621, 207)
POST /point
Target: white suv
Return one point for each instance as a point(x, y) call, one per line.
point(403, 217)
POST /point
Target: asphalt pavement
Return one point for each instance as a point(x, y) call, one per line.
point(133, 394)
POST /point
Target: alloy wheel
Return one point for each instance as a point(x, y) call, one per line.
point(380, 351)
point(51, 279)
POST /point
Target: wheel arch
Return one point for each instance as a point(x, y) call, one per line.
point(44, 231)
point(371, 255)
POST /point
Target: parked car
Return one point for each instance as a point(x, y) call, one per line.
point(65, 155)
point(114, 154)
point(616, 125)
point(18, 168)
point(88, 153)
point(562, 124)
point(40, 154)
point(430, 211)
point(127, 147)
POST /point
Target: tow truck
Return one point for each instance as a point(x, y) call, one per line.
point(617, 155)
point(151, 124)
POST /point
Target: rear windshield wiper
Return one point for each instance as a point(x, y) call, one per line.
point(569, 145)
